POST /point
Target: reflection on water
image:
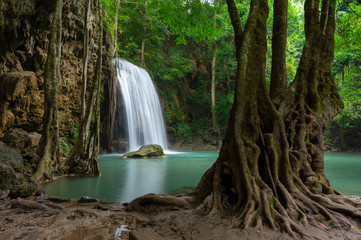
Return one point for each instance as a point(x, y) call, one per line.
point(123, 180)
point(141, 177)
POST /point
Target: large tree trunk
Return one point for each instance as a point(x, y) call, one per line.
point(270, 168)
point(48, 147)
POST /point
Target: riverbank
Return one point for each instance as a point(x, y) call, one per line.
point(171, 218)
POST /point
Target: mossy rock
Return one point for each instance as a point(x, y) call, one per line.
point(147, 151)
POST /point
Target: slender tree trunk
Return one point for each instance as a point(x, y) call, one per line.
point(270, 168)
point(48, 147)
point(342, 136)
point(213, 91)
point(213, 80)
point(142, 52)
point(85, 58)
point(79, 158)
point(112, 100)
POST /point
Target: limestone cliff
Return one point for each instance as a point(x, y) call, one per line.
point(24, 29)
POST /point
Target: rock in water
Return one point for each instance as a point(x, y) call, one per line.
point(147, 151)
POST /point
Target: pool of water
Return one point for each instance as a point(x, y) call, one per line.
point(123, 180)
point(343, 170)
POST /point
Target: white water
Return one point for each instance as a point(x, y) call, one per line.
point(142, 107)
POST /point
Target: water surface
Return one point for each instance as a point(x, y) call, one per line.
point(125, 179)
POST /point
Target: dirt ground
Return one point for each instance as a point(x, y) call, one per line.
point(46, 218)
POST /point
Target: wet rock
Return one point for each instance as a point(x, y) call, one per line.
point(23, 190)
point(57, 199)
point(147, 151)
point(153, 203)
point(8, 176)
point(120, 145)
point(29, 205)
point(40, 193)
point(144, 234)
point(87, 199)
point(12, 157)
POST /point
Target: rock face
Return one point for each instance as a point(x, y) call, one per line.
point(19, 101)
point(24, 32)
point(147, 151)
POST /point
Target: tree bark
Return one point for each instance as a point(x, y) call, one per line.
point(142, 52)
point(279, 42)
point(94, 143)
point(48, 147)
point(85, 58)
point(111, 86)
point(270, 169)
point(213, 92)
point(79, 160)
point(213, 80)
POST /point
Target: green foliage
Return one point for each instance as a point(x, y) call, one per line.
point(347, 64)
point(181, 129)
point(224, 106)
point(64, 145)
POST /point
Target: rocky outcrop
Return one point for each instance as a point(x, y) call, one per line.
point(147, 151)
point(20, 103)
point(24, 30)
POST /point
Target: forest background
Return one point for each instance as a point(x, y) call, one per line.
point(188, 49)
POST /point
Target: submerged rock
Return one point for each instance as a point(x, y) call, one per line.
point(147, 151)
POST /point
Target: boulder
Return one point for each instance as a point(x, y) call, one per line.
point(23, 190)
point(8, 176)
point(12, 157)
point(24, 141)
point(147, 151)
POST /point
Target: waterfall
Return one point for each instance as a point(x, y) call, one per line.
point(142, 107)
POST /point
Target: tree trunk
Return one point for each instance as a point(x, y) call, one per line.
point(85, 58)
point(79, 161)
point(213, 80)
point(142, 52)
point(279, 42)
point(270, 168)
point(48, 147)
point(108, 124)
point(93, 146)
point(213, 92)
point(342, 136)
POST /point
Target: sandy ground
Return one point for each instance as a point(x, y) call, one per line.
point(40, 218)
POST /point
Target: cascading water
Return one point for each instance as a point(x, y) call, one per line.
point(142, 107)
